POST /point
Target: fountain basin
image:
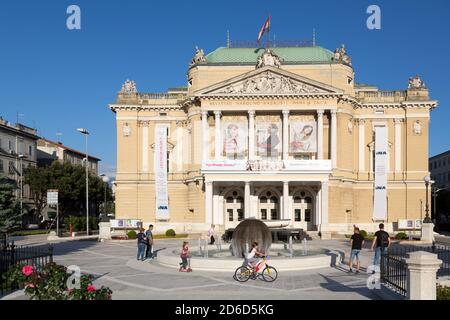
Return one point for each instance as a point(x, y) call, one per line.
point(224, 262)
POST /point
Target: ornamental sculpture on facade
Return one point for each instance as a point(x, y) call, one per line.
point(340, 54)
point(199, 57)
point(129, 87)
point(268, 58)
point(269, 82)
point(416, 83)
point(417, 128)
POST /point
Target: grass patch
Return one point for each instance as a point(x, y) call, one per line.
point(23, 233)
point(163, 236)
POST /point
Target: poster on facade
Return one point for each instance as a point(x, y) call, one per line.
point(303, 137)
point(235, 138)
point(162, 198)
point(380, 186)
point(268, 139)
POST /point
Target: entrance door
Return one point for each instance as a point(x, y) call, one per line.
point(269, 208)
point(303, 211)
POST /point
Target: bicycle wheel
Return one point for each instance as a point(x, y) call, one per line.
point(269, 274)
point(242, 274)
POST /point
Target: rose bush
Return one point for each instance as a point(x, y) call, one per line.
point(50, 283)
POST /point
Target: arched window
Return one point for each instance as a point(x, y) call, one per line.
point(308, 200)
point(263, 200)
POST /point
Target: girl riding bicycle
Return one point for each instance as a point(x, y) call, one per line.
point(253, 256)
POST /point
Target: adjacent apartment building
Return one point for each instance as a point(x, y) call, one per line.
point(439, 167)
point(49, 151)
point(17, 152)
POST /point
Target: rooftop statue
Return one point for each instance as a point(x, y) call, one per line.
point(199, 57)
point(129, 87)
point(340, 54)
point(416, 83)
point(268, 58)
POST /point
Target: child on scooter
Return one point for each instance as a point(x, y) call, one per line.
point(184, 265)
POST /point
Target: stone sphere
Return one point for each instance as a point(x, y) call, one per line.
point(249, 231)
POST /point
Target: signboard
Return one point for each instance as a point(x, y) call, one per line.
point(52, 197)
point(380, 185)
point(266, 165)
point(162, 197)
point(126, 223)
point(409, 224)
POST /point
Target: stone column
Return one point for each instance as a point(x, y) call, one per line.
point(361, 145)
point(398, 144)
point(251, 134)
point(218, 142)
point(333, 138)
point(285, 134)
point(215, 210)
point(286, 213)
point(205, 135)
point(422, 268)
point(320, 134)
point(324, 208)
point(208, 202)
point(247, 213)
point(427, 233)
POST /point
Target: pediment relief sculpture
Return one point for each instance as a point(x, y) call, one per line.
point(269, 82)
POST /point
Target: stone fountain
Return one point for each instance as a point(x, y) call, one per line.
point(247, 232)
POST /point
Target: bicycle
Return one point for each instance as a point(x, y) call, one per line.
point(268, 274)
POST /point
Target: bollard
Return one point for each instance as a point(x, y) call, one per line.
point(290, 247)
point(200, 253)
point(305, 248)
point(206, 248)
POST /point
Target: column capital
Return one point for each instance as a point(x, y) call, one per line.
point(361, 122)
point(320, 112)
point(333, 112)
point(247, 183)
point(398, 121)
point(285, 183)
point(285, 113)
point(217, 113)
point(204, 113)
point(251, 113)
point(208, 183)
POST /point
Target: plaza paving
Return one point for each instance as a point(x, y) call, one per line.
point(114, 264)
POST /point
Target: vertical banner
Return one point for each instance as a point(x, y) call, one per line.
point(268, 141)
point(162, 198)
point(380, 186)
point(303, 137)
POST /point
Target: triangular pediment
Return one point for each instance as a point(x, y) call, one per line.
point(268, 81)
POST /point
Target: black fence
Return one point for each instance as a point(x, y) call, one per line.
point(10, 255)
point(394, 270)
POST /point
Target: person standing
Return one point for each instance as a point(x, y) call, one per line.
point(211, 234)
point(381, 243)
point(149, 237)
point(141, 241)
point(356, 241)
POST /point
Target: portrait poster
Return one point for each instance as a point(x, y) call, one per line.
point(235, 140)
point(268, 139)
point(303, 137)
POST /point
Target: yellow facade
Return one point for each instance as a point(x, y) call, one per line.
point(328, 189)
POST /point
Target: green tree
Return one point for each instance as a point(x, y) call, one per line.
point(38, 180)
point(10, 215)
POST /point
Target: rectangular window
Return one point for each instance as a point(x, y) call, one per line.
point(10, 145)
point(3, 170)
point(30, 151)
point(298, 216)
point(273, 214)
point(263, 214)
point(11, 167)
point(240, 214)
point(308, 215)
point(230, 214)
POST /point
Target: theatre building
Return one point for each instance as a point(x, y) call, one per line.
point(286, 135)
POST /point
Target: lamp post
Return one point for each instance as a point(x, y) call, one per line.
point(428, 181)
point(86, 134)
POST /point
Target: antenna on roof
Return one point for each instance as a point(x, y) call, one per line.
point(228, 38)
point(58, 134)
point(314, 37)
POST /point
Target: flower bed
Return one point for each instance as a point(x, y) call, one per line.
point(53, 282)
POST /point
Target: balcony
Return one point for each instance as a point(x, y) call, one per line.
point(381, 96)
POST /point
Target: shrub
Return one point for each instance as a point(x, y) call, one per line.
point(442, 293)
point(132, 234)
point(51, 283)
point(363, 233)
point(170, 233)
point(401, 236)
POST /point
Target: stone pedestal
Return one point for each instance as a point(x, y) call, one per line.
point(422, 267)
point(104, 230)
point(427, 232)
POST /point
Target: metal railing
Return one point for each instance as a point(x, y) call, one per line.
point(10, 255)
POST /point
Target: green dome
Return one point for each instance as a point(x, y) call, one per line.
point(290, 55)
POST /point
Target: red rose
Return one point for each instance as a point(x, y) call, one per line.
point(90, 288)
point(27, 270)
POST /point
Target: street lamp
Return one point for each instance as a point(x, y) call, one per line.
point(105, 179)
point(21, 157)
point(428, 181)
point(86, 133)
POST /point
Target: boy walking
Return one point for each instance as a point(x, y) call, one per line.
point(381, 243)
point(141, 240)
point(356, 241)
point(149, 236)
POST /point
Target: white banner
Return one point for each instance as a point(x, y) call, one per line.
point(380, 186)
point(162, 197)
point(235, 140)
point(303, 137)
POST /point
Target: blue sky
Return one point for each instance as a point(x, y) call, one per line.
point(61, 80)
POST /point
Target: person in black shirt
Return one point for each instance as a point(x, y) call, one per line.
point(356, 241)
point(141, 243)
point(149, 248)
point(381, 243)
